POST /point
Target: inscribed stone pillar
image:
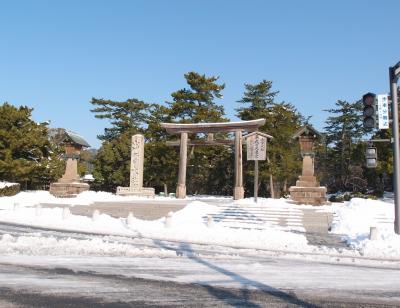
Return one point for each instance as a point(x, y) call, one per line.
point(181, 189)
point(137, 161)
point(136, 171)
point(238, 192)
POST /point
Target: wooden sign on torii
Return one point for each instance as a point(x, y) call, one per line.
point(210, 128)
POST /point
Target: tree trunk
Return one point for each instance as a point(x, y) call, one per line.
point(271, 186)
point(271, 181)
point(165, 189)
point(285, 190)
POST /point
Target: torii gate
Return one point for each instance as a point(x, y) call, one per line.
point(210, 128)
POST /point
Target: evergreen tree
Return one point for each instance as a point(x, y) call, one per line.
point(344, 156)
point(26, 154)
point(112, 162)
point(130, 115)
point(161, 161)
point(196, 104)
point(282, 120)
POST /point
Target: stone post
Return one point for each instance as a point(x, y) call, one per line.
point(238, 192)
point(136, 171)
point(137, 162)
point(181, 189)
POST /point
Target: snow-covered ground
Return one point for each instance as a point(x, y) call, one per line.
point(352, 220)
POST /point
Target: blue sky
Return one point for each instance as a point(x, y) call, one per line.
point(56, 55)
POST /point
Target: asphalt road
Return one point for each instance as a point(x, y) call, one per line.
point(29, 286)
point(196, 276)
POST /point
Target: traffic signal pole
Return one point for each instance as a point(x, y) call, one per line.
point(394, 73)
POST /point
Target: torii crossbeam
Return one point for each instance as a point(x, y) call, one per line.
point(209, 128)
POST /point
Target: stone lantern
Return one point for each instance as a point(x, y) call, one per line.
point(307, 189)
point(70, 184)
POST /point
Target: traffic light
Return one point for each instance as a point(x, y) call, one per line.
point(371, 156)
point(369, 110)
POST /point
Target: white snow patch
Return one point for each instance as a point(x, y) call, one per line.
point(186, 225)
point(30, 198)
point(4, 184)
point(50, 246)
point(354, 219)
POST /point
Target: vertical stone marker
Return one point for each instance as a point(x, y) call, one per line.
point(136, 171)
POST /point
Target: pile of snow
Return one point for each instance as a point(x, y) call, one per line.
point(386, 246)
point(30, 198)
point(186, 225)
point(4, 184)
point(356, 216)
point(354, 219)
point(33, 245)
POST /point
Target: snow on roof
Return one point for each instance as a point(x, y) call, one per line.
point(306, 130)
point(77, 138)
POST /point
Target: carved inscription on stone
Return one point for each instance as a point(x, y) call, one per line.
point(137, 157)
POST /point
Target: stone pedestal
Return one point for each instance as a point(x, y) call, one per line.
point(69, 185)
point(68, 190)
point(308, 195)
point(307, 189)
point(136, 171)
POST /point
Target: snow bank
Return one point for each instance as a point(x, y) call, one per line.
point(386, 246)
point(358, 215)
point(30, 198)
point(32, 245)
point(187, 224)
point(354, 219)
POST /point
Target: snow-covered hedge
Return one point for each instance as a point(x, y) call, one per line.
point(9, 189)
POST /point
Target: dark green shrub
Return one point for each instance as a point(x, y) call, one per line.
point(10, 190)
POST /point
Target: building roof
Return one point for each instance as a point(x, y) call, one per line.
point(306, 130)
point(77, 138)
point(61, 135)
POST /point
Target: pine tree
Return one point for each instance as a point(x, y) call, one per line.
point(282, 120)
point(343, 160)
point(196, 104)
point(126, 118)
point(26, 154)
point(130, 115)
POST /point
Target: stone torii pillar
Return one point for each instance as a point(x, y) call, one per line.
point(238, 190)
point(181, 188)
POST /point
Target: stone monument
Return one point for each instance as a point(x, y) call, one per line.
point(307, 189)
point(136, 171)
point(70, 185)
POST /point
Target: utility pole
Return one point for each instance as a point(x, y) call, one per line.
point(394, 73)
